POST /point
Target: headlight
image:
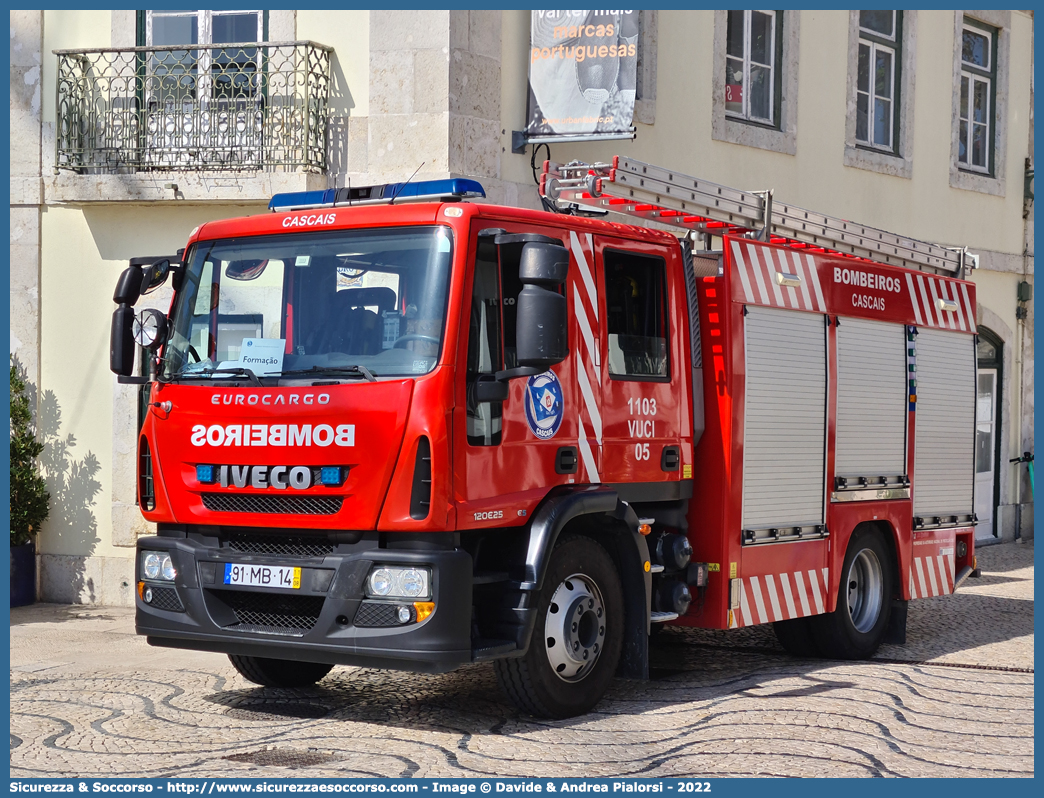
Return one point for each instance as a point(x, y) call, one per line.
point(386, 581)
point(157, 565)
point(149, 328)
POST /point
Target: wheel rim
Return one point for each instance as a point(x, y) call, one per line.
point(865, 590)
point(574, 629)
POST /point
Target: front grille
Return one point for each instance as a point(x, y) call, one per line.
point(286, 505)
point(372, 613)
point(281, 545)
point(165, 598)
point(272, 613)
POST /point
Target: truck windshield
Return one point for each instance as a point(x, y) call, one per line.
point(373, 301)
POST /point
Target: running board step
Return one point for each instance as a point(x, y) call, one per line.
point(966, 571)
point(662, 617)
point(485, 648)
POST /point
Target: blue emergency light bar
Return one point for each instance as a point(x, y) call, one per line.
point(424, 190)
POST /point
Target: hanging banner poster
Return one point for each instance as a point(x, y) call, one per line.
point(583, 68)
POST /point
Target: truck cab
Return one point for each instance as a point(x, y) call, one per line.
point(370, 423)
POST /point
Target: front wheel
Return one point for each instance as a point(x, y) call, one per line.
point(279, 672)
point(577, 637)
point(864, 601)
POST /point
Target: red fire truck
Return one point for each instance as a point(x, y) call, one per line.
point(391, 427)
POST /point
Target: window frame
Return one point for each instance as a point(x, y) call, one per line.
point(205, 27)
point(975, 74)
point(607, 253)
point(894, 44)
point(496, 409)
point(775, 71)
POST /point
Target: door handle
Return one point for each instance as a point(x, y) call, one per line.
point(670, 459)
point(566, 460)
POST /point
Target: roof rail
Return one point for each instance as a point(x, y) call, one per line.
point(646, 191)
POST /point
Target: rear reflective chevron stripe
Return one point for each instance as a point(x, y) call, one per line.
point(756, 266)
point(770, 597)
point(932, 575)
point(926, 290)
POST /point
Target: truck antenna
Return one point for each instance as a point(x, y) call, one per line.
point(397, 193)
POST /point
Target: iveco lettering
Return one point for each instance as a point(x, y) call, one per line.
point(392, 428)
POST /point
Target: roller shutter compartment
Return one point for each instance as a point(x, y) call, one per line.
point(871, 399)
point(944, 455)
point(784, 428)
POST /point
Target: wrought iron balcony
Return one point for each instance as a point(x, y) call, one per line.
point(230, 107)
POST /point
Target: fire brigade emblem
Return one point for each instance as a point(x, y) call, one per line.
point(544, 405)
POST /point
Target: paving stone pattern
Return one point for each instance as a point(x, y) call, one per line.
point(89, 699)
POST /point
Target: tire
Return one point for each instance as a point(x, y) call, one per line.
point(796, 637)
point(864, 601)
point(279, 672)
point(570, 663)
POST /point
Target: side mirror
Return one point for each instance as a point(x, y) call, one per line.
point(541, 333)
point(543, 264)
point(121, 341)
point(128, 287)
point(245, 269)
point(155, 275)
point(541, 338)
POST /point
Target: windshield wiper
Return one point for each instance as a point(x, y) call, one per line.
point(239, 370)
point(365, 372)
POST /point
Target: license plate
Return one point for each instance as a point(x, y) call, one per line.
point(281, 576)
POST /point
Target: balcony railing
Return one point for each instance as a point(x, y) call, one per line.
point(230, 107)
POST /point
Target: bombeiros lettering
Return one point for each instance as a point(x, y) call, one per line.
point(861, 279)
point(321, 435)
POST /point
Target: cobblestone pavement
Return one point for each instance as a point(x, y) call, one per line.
point(90, 699)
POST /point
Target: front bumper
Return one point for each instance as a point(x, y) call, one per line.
point(322, 621)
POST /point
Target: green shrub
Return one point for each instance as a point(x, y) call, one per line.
point(29, 494)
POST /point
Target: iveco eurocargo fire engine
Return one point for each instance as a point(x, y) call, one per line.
point(393, 427)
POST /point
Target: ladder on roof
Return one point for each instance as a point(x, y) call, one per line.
point(642, 190)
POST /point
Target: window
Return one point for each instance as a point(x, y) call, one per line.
point(484, 345)
point(877, 84)
point(221, 74)
point(977, 97)
point(752, 72)
point(636, 316)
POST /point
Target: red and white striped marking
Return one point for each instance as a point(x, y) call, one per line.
point(925, 292)
point(588, 371)
point(932, 574)
point(781, 597)
point(757, 266)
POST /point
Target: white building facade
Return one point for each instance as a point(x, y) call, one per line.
point(917, 122)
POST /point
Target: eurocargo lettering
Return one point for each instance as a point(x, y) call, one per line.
point(464, 432)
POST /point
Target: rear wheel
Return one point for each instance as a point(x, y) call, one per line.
point(279, 672)
point(856, 628)
point(577, 637)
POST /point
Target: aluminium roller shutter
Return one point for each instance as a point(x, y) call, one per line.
point(784, 430)
point(871, 399)
point(944, 455)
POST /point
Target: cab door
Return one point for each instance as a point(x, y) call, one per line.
point(508, 453)
point(643, 371)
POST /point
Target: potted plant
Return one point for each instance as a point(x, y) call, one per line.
point(29, 495)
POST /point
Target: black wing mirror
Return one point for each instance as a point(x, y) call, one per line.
point(541, 334)
point(155, 275)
